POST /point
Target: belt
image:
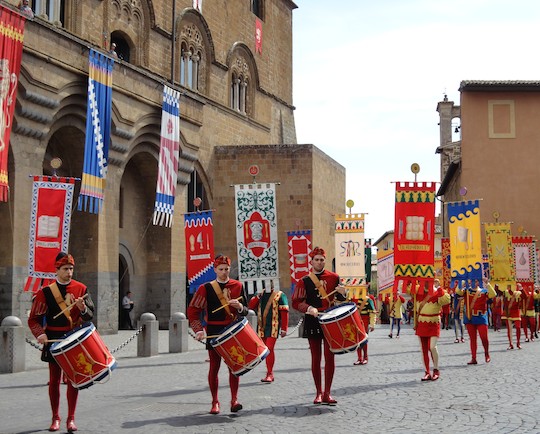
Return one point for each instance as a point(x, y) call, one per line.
point(478, 312)
point(58, 329)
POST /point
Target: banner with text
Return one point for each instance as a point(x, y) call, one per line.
point(500, 254)
point(350, 248)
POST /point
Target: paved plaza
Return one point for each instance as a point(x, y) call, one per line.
point(168, 393)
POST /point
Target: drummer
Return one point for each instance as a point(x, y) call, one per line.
point(70, 297)
point(224, 301)
point(315, 293)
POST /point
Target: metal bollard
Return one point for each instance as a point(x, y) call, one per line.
point(252, 319)
point(178, 333)
point(12, 346)
point(148, 339)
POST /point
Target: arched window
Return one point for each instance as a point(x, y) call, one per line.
point(192, 57)
point(54, 9)
point(240, 86)
point(119, 47)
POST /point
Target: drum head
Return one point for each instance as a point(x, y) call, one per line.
point(228, 332)
point(337, 312)
point(76, 335)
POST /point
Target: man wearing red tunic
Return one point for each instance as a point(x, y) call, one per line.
point(272, 321)
point(223, 302)
point(47, 323)
point(427, 320)
point(528, 320)
point(368, 314)
point(512, 314)
point(313, 294)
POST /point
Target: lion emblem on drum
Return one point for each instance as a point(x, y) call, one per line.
point(85, 365)
point(238, 355)
point(349, 333)
point(8, 85)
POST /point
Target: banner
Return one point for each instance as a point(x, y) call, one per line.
point(299, 243)
point(50, 220)
point(414, 234)
point(199, 235)
point(350, 248)
point(445, 250)
point(256, 235)
point(11, 45)
point(258, 36)
point(465, 242)
point(367, 261)
point(98, 132)
point(535, 264)
point(385, 271)
point(524, 261)
point(500, 254)
point(169, 150)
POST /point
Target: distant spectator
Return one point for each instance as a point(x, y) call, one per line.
point(112, 51)
point(25, 9)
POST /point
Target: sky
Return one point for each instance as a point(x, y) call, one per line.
point(368, 74)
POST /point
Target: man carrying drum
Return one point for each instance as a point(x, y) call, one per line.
point(223, 301)
point(56, 310)
point(313, 294)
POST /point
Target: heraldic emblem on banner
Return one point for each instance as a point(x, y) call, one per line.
point(500, 253)
point(299, 243)
point(199, 234)
point(256, 235)
point(50, 220)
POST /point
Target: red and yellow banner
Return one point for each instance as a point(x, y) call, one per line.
point(11, 45)
point(414, 233)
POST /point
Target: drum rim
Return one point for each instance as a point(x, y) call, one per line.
point(234, 327)
point(105, 372)
point(350, 311)
point(90, 328)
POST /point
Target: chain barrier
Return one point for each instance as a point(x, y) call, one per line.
point(122, 345)
point(194, 336)
point(118, 348)
point(300, 321)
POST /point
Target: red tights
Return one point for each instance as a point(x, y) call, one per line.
point(270, 342)
point(483, 332)
point(213, 381)
point(55, 376)
point(517, 324)
point(528, 322)
point(329, 364)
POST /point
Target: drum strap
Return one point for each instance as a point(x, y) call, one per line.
point(318, 284)
point(61, 302)
point(221, 296)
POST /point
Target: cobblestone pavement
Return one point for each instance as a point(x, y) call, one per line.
point(168, 393)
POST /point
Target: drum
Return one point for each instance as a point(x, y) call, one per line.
point(240, 347)
point(343, 328)
point(83, 356)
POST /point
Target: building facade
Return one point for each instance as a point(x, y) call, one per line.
point(235, 93)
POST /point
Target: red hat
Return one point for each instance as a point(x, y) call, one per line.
point(65, 260)
point(222, 260)
point(317, 251)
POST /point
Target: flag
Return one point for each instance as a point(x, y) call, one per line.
point(524, 261)
point(465, 242)
point(299, 243)
point(50, 220)
point(199, 235)
point(258, 36)
point(385, 271)
point(98, 132)
point(350, 248)
point(168, 158)
point(256, 235)
point(445, 250)
point(11, 45)
point(414, 234)
point(500, 253)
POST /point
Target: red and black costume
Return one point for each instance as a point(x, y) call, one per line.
point(206, 300)
point(528, 315)
point(368, 314)
point(306, 294)
point(42, 321)
point(512, 315)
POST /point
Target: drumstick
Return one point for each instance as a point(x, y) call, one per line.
point(54, 340)
point(223, 306)
point(331, 293)
point(68, 307)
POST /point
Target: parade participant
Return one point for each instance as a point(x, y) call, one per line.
point(457, 303)
point(537, 310)
point(427, 323)
point(394, 302)
point(315, 293)
point(61, 306)
point(223, 301)
point(512, 314)
point(497, 310)
point(272, 321)
point(445, 317)
point(366, 307)
point(528, 320)
point(475, 318)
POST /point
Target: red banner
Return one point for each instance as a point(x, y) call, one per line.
point(258, 36)
point(199, 233)
point(445, 248)
point(52, 201)
point(11, 43)
point(299, 243)
point(414, 234)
